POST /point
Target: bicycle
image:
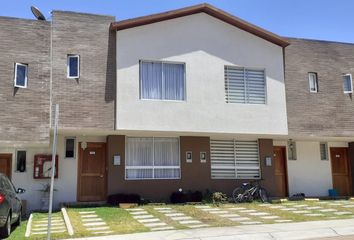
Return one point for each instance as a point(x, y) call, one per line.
point(249, 192)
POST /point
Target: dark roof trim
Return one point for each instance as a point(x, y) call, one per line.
point(202, 8)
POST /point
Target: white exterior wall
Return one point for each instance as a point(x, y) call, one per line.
point(309, 174)
point(205, 44)
point(66, 183)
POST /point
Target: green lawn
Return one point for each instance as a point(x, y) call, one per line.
point(121, 221)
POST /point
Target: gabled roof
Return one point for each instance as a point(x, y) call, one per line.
point(202, 8)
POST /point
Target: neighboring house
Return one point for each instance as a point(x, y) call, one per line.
point(320, 115)
point(193, 98)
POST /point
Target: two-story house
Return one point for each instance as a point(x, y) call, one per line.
point(190, 99)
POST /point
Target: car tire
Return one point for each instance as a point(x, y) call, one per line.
point(5, 231)
point(19, 219)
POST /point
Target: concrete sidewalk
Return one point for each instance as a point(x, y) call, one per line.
point(288, 231)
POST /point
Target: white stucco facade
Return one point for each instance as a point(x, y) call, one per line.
point(65, 184)
point(308, 173)
point(205, 44)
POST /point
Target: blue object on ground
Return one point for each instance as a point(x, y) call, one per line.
point(332, 193)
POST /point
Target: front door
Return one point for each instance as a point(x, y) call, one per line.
point(340, 170)
point(5, 164)
point(280, 171)
point(92, 172)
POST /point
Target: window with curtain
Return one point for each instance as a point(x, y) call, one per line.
point(162, 80)
point(152, 158)
point(243, 85)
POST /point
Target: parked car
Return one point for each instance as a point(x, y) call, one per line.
point(10, 206)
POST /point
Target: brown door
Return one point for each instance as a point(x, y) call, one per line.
point(92, 173)
point(340, 170)
point(280, 171)
point(5, 164)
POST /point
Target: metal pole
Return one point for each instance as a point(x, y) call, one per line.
point(54, 152)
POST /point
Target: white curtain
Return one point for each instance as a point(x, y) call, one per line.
point(162, 81)
point(151, 80)
point(149, 158)
point(174, 81)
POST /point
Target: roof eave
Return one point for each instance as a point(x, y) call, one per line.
point(205, 8)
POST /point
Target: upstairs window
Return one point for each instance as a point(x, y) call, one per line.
point(313, 82)
point(162, 80)
point(73, 66)
point(20, 161)
point(21, 72)
point(243, 85)
point(347, 83)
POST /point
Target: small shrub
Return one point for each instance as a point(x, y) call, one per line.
point(115, 199)
point(219, 197)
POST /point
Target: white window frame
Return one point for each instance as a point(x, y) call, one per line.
point(235, 167)
point(26, 75)
point(66, 138)
point(68, 66)
point(246, 90)
point(153, 167)
point(351, 82)
point(162, 62)
point(315, 78)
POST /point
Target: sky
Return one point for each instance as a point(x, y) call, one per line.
point(331, 20)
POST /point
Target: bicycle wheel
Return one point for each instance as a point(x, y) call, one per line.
point(237, 194)
point(263, 195)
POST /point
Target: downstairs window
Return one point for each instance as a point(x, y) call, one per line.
point(152, 158)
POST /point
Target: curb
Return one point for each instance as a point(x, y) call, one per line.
point(28, 227)
point(69, 227)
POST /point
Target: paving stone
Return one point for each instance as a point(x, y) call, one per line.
point(94, 224)
point(89, 216)
point(288, 209)
point(163, 208)
point(230, 215)
point(250, 223)
point(102, 232)
point(335, 204)
point(211, 209)
point(155, 224)
point(45, 232)
point(270, 217)
point(166, 211)
point(138, 213)
point(328, 210)
point(302, 211)
point(190, 222)
point(348, 206)
point(181, 218)
point(259, 214)
point(134, 209)
point(97, 228)
point(46, 221)
point(149, 220)
point(202, 206)
point(237, 208)
point(218, 212)
point(198, 226)
point(143, 216)
point(239, 219)
point(248, 211)
point(162, 228)
point(313, 208)
point(276, 207)
point(87, 212)
point(45, 224)
point(175, 214)
point(91, 220)
point(282, 220)
point(264, 205)
point(301, 205)
point(343, 213)
point(314, 214)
